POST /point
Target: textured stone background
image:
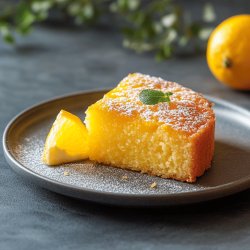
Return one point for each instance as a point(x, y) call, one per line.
point(55, 61)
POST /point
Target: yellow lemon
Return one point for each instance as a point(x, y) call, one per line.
point(67, 140)
point(228, 52)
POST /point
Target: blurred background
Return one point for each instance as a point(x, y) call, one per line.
point(53, 47)
point(164, 27)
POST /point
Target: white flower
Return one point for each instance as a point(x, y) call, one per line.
point(168, 20)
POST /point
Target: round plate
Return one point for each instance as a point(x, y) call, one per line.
point(24, 138)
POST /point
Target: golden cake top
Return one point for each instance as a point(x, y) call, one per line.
point(188, 111)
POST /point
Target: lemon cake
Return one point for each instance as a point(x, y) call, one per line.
point(169, 139)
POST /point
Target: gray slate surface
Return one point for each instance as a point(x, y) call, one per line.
point(57, 61)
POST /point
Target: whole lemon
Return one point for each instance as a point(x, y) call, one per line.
point(228, 52)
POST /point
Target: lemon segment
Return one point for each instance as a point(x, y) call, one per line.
point(67, 140)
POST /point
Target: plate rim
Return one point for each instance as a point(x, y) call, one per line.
point(190, 196)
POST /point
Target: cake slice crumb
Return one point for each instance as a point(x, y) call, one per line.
point(125, 177)
point(66, 173)
point(153, 185)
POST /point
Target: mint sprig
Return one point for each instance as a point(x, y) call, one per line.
point(152, 97)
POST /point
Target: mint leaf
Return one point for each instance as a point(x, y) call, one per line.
point(152, 97)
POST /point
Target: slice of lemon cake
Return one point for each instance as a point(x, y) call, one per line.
point(169, 139)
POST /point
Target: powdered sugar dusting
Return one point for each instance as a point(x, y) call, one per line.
point(188, 110)
point(88, 174)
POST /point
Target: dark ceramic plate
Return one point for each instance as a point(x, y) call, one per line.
point(24, 138)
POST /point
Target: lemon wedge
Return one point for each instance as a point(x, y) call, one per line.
point(67, 140)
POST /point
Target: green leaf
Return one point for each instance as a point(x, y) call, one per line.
point(24, 30)
point(152, 97)
point(26, 18)
point(6, 33)
point(167, 50)
point(9, 39)
point(122, 5)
